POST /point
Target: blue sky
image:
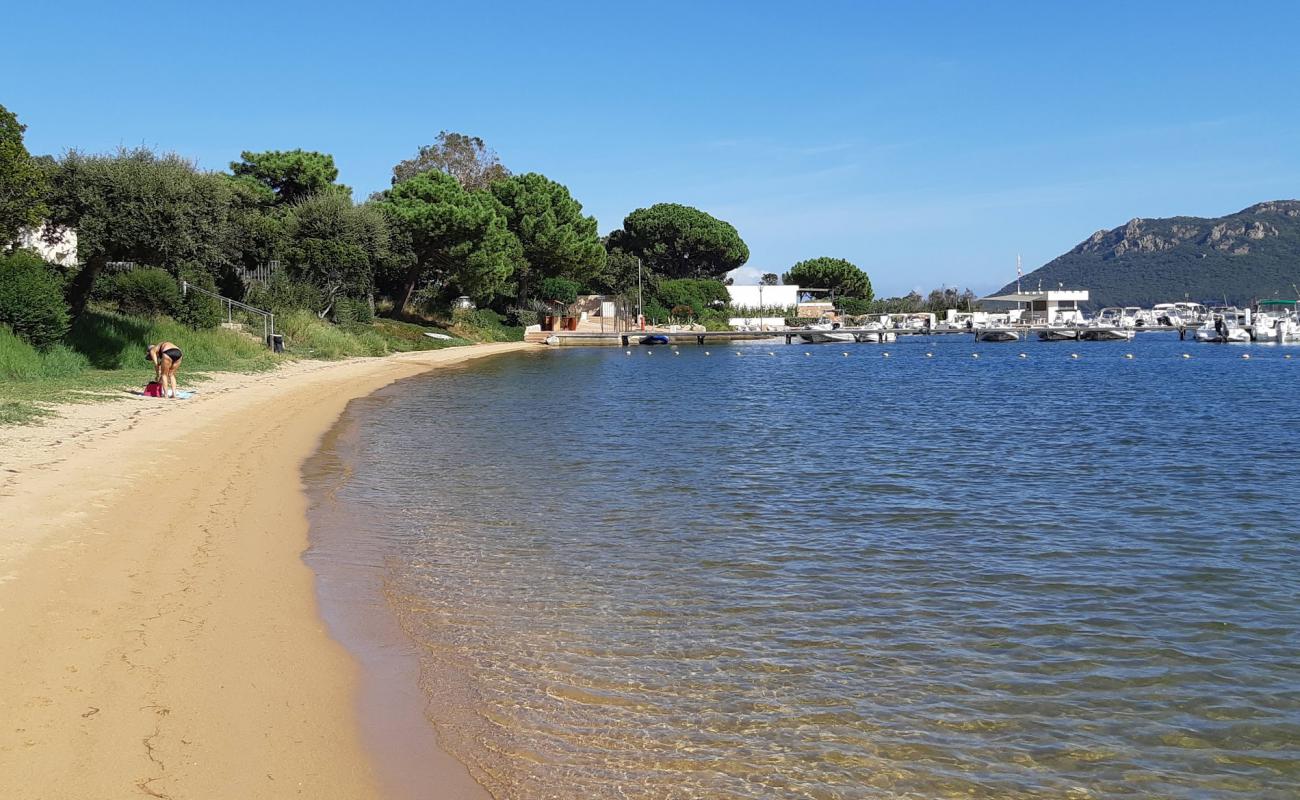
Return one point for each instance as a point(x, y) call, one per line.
point(928, 142)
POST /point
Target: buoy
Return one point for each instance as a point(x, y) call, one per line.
point(1128, 355)
point(649, 352)
point(770, 353)
point(1187, 355)
point(676, 353)
point(807, 353)
point(846, 354)
point(885, 354)
point(629, 352)
point(706, 352)
point(929, 355)
point(1288, 355)
point(1023, 355)
point(974, 355)
point(737, 352)
point(1074, 355)
point(1245, 355)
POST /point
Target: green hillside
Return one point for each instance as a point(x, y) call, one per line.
point(1253, 254)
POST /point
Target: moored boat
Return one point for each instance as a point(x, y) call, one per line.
point(1225, 325)
point(824, 332)
point(996, 335)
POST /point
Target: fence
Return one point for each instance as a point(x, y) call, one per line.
point(268, 319)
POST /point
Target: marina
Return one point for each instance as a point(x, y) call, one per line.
point(798, 335)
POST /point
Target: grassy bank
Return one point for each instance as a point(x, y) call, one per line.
point(103, 356)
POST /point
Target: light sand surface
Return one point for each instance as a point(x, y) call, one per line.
point(159, 632)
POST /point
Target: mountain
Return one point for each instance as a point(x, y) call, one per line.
point(1253, 254)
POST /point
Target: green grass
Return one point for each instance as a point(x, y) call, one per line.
point(103, 356)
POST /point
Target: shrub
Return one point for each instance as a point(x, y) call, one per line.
point(697, 294)
point(852, 306)
point(196, 309)
point(147, 292)
point(683, 311)
point(280, 295)
point(351, 310)
point(559, 290)
point(654, 312)
point(522, 317)
point(31, 299)
point(484, 325)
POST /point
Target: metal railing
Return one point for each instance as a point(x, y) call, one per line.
point(268, 319)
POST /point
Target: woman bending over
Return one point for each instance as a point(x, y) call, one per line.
point(165, 357)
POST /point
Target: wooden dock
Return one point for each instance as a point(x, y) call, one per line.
point(792, 335)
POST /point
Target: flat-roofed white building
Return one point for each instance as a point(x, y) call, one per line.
point(1052, 307)
point(62, 251)
point(753, 297)
point(757, 296)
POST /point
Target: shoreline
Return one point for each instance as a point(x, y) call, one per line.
point(155, 639)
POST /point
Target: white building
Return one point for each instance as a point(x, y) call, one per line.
point(1053, 307)
point(63, 252)
point(757, 297)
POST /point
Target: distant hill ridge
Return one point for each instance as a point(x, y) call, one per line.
point(1252, 254)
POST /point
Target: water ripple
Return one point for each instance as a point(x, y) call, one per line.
point(849, 578)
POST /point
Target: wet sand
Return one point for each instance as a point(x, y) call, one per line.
point(159, 632)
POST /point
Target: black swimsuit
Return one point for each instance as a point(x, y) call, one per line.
point(173, 353)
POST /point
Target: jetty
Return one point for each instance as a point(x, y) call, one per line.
point(627, 338)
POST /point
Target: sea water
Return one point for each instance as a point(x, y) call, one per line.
point(821, 571)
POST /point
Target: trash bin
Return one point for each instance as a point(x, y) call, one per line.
point(276, 342)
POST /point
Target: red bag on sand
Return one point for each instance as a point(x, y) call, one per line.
point(153, 389)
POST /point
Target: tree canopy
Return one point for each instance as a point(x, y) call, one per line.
point(678, 241)
point(556, 239)
point(290, 174)
point(459, 238)
point(466, 158)
point(22, 183)
point(138, 206)
point(843, 278)
point(335, 245)
point(769, 279)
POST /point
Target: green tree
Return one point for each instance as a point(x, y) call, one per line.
point(335, 245)
point(842, 278)
point(770, 279)
point(290, 174)
point(31, 299)
point(678, 241)
point(619, 274)
point(459, 238)
point(138, 206)
point(698, 294)
point(466, 158)
point(22, 183)
point(557, 240)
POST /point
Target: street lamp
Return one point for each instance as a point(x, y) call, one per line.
point(760, 305)
point(640, 318)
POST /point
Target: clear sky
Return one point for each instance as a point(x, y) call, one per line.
point(928, 142)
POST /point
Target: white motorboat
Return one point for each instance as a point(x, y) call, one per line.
point(996, 335)
point(1277, 321)
point(1108, 326)
point(1095, 333)
point(1059, 334)
point(876, 333)
point(1224, 325)
point(824, 332)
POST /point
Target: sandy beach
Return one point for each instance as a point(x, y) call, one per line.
point(159, 632)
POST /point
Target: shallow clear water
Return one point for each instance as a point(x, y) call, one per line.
point(820, 576)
